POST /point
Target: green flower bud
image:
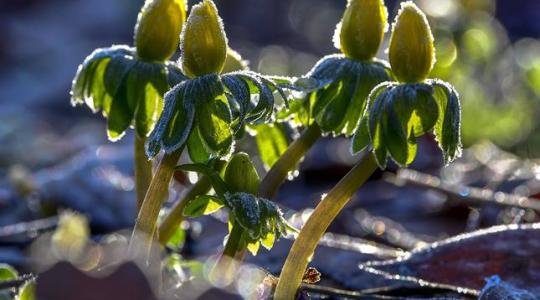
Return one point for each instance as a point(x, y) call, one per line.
point(203, 42)
point(241, 175)
point(362, 28)
point(412, 54)
point(157, 33)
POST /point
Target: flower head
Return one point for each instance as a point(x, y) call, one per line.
point(398, 113)
point(206, 112)
point(127, 84)
point(127, 90)
point(338, 85)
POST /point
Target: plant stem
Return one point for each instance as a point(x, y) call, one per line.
point(146, 223)
point(143, 171)
point(325, 212)
point(234, 241)
point(222, 271)
point(288, 161)
point(176, 214)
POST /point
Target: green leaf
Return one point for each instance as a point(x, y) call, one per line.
point(268, 241)
point(88, 84)
point(369, 75)
point(416, 108)
point(213, 121)
point(253, 247)
point(239, 90)
point(27, 291)
point(174, 125)
point(324, 97)
point(448, 127)
point(203, 205)
point(178, 238)
point(7, 273)
point(114, 79)
point(265, 106)
point(120, 114)
point(361, 138)
point(95, 93)
point(325, 71)
point(395, 138)
point(152, 85)
point(272, 142)
point(197, 151)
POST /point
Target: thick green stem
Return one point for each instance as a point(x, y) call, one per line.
point(288, 161)
point(176, 215)
point(143, 171)
point(325, 212)
point(146, 223)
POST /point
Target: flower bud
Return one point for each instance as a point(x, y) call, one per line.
point(412, 53)
point(157, 33)
point(203, 42)
point(241, 175)
point(362, 28)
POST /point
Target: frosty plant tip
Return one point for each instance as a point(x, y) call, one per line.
point(253, 220)
point(206, 112)
point(399, 112)
point(396, 114)
point(127, 84)
point(339, 84)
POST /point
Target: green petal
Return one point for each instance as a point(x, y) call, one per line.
point(394, 134)
point(174, 125)
point(151, 88)
point(369, 76)
point(448, 127)
point(197, 151)
point(203, 205)
point(361, 138)
point(272, 141)
point(120, 113)
point(213, 121)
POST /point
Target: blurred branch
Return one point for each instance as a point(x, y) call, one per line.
point(472, 195)
point(4, 285)
point(28, 227)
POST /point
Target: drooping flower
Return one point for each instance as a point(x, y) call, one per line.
point(128, 83)
point(205, 112)
point(338, 85)
point(398, 113)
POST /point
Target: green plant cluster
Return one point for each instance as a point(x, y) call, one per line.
point(193, 104)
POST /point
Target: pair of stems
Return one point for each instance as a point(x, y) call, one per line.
point(306, 242)
point(267, 189)
point(146, 222)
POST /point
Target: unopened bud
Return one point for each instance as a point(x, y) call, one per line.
point(241, 175)
point(157, 33)
point(362, 29)
point(412, 53)
point(204, 44)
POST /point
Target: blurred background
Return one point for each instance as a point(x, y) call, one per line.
point(55, 156)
